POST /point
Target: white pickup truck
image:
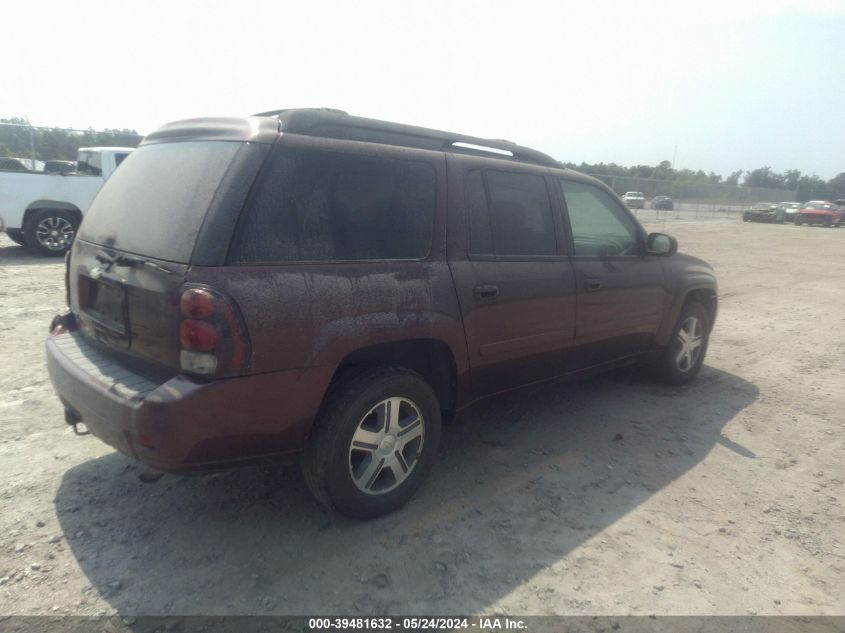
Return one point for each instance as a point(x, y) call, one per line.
point(43, 210)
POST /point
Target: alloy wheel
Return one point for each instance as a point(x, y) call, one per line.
point(54, 233)
point(688, 344)
point(386, 446)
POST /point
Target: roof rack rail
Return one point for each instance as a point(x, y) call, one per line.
point(331, 123)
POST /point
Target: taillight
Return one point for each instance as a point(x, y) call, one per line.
point(211, 333)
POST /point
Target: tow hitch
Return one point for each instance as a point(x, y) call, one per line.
point(73, 419)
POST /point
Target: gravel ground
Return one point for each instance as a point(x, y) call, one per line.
point(612, 496)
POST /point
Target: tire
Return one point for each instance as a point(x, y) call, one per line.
point(50, 232)
point(676, 367)
point(797, 222)
point(346, 477)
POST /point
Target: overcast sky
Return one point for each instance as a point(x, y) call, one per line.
point(734, 84)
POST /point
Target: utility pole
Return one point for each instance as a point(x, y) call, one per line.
point(31, 141)
point(674, 155)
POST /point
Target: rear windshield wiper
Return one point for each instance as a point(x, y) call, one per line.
point(129, 261)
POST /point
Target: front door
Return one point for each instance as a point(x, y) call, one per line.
point(621, 289)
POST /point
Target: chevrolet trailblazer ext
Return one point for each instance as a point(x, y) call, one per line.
point(305, 281)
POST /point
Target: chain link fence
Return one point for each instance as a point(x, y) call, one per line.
point(697, 200)
point(27, 146)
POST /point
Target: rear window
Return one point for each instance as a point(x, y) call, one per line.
point(323, 206)
point(90, 163)
point(155, 203)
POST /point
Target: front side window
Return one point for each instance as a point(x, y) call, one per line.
point(322, 206)
point(510, 216)
point(600, 227)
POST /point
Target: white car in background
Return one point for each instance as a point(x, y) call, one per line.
point(43, 210)
point(634, 199)
point(790, 210)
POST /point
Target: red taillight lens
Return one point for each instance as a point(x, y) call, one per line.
point(196, 303)
point(198, 336)
point(213, 338)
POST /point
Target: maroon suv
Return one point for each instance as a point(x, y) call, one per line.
point(306, 281)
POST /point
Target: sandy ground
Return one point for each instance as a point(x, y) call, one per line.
point(723, 497)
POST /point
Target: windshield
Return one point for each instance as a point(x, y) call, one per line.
point(818, 206)
point(155, 203)
point(763, 206)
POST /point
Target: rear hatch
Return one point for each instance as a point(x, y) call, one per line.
point(135, 246)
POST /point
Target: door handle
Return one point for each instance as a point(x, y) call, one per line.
point(486, 292)
point(592, 285)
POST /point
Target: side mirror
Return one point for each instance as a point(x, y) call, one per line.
point(661, 244)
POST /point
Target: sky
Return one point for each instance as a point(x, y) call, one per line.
point(719, 85)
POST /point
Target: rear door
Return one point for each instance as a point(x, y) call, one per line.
point(514, 281)
point(621, 290)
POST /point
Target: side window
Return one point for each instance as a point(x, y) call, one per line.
point(600, 227)
point(320, 206)
point(118, 158)
point(511, 216)
point(521, 214)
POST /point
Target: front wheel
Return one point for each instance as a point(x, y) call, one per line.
point(50, 231)
point(684, 355)
point(373, 443)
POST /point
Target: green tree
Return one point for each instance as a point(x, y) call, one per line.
point(837, 185)
point(733, 179)
point(763, 177)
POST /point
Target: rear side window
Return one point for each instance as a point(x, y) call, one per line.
point(155, 204)
point(323, 206)
point(511, 215)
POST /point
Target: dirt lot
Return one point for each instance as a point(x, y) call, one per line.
point(724, 497)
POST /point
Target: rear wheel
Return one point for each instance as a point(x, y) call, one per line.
point(684, 355)
point(797, 221)
point(50, 231)
point(373, 443)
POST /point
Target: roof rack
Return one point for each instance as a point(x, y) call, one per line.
point(331, 123)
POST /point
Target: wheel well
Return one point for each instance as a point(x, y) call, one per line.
point(432, 359)
point(48, 204)
point(707, 298)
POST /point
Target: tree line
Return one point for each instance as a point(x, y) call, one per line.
point(58, 143)
point(808, 187)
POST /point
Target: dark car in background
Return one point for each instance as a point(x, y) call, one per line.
point(663, 202)
point(9, 163)
point(822, 212)
point(309, 282)
point(763, 212)
point(59, 166)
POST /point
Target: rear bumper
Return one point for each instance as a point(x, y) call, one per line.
point(183, 424)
